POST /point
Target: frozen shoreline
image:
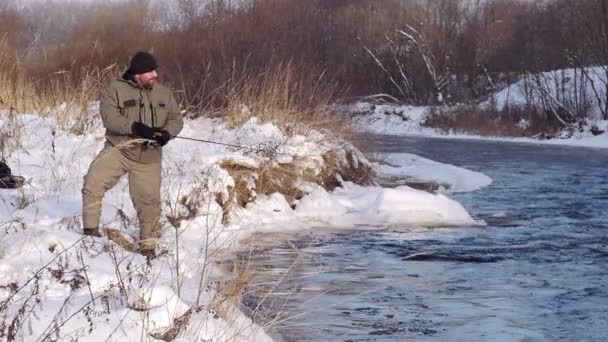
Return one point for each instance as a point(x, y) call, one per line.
point(407, 121)
point(41, 224)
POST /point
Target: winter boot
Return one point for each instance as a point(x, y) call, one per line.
point(147, 248)
point(91, 232)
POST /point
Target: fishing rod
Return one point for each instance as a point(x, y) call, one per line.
point(231, 145)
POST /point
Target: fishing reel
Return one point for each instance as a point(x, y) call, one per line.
point(151, 144)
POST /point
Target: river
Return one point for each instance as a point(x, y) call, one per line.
point(537, 272)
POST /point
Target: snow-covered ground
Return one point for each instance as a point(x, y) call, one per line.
point(574, 90)
point(407, 120)
point(455, 178)
point(55, 283)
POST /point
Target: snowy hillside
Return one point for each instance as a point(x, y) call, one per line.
point(574, 89)
point(577, 92)
point(57, 284)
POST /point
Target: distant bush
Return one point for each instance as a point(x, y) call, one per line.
point(521, 121)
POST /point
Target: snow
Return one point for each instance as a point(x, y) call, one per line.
point(86, 288)
point(456, 178)
point(391, 119)
point(354, 205)
point(378, 206)
point(564, 86)
point(388, 119)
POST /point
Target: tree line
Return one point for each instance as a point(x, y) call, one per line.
point(415, 51)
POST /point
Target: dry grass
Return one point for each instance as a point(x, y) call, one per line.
point(192, 204)
point(281, 178)
point(231, 290)
point(59, 92)
point(244, 177)
point(286, 178)
point(291, 98)
point(11, 133)
point(179, 325)
point(265, 180)
point(350, 169)
point(15, 89)
point(511, 122)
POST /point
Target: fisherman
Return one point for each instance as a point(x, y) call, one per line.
point(140, 117)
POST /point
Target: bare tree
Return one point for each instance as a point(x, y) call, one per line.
point(439, 78)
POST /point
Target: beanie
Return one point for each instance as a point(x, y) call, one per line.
point(142, 62)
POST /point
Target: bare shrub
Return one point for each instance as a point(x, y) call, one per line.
point(341, 165)
point(514, 121)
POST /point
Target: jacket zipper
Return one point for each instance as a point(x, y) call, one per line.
point(152, 111)
point(142, 118)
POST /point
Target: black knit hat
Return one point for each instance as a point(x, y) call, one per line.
point(142, 62)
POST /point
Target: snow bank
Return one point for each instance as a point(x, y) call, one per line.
point(421, 169)
point(357, 207)
point(58, 284)
point(393, 125)
point(377, 122)
point(390, 119)
point(573, 88)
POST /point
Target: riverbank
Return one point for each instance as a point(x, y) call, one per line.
point(409, 120)
point(58, 283)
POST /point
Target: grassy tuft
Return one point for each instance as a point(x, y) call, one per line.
point(509, 122)
point(59, 93)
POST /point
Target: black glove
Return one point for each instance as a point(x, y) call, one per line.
point(161, 136)
point(142, 131)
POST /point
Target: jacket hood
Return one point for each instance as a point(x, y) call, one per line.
point(127, 77)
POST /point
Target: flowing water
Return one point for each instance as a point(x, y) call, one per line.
point(537, 272)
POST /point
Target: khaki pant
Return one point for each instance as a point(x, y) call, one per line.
point(144, 189)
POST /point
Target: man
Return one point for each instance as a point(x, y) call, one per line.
point(140, 117)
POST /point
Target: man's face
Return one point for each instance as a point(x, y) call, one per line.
point(146, 79)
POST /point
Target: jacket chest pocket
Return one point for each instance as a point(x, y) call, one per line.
point(130, 109)
point(161, 113)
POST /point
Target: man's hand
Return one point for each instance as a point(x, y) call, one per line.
point(161, 136)
point(143, 131)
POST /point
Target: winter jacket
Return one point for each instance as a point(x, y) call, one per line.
point(124, 101)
